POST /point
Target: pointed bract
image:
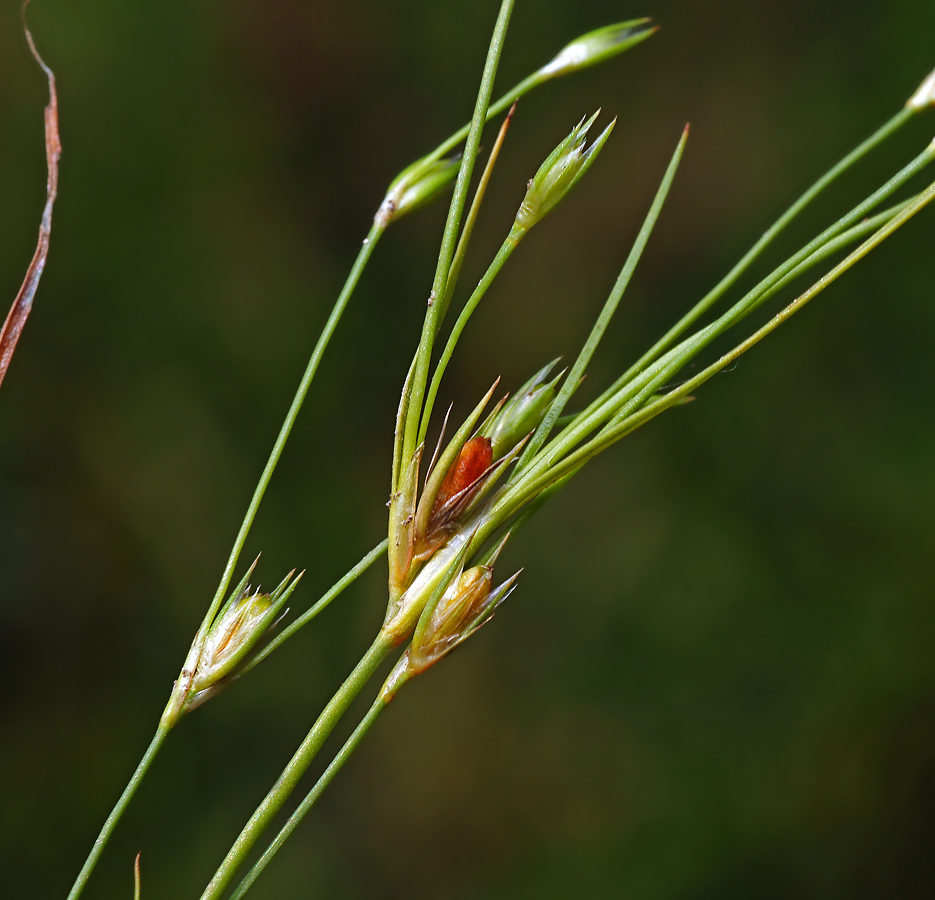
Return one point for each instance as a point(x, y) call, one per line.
point(466, 604)
point(523, 412)
point(560, 173)
point(242, 622)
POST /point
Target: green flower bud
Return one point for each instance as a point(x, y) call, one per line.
point(466, 605)
point(924, 96)
point(232, 635)
point(596, 46)
point(523, 412)
point(415, 186)
point(559, 173)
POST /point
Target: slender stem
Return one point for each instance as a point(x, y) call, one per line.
point(340, 304)
point(446, 252)
point(306, 617)
point(628, 424)
point(852, 235)
point(507, 100)
point(469, 222)
point(706, 302)
point(620, 397)
point(324, 780)
point(610, 307)
point(296, 767)
point(503, 254)
point(101, 842)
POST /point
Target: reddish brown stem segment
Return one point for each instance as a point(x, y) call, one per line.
point(22, 305)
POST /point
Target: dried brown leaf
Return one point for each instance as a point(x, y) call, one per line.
point(22, 305)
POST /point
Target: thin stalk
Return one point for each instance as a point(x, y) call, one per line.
point(476, 203)
point(306, 617)
point(503, 254)
point(337, 310)
point(101, 842)
point(312, 796)
point(505, 102)
point(632, 383)
point(296, 767)
point(851, 236)
point(610, 307)
point(446, 252)
point(628, 424)
point(715, 294)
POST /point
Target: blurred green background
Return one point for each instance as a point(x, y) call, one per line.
point(716, 678)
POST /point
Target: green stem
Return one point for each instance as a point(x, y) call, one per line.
point(610, 307)
point(620, 398)
point(296, 767)
point(706, 302)
point(340, 304)
point(505, 102)
point(852, 235)
point(101, 842)
point(628, 424)
point(503, 254)
point(306, 617)
point(471, 219)
point(326, 777)
point(446, 252)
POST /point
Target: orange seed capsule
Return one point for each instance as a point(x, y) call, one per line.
point(473, 460)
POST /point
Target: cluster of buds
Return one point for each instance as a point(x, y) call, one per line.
point(451, 616)
point(427, 532)
point(219, 655)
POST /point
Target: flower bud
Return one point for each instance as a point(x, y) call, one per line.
point(523, 412)
point(231, 636)
point(559, 173)
point(596, 46)
point(466, 605)
point(415, 186)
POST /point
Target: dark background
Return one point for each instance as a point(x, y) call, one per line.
point(716, 677)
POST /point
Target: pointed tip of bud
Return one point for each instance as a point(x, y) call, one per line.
point(598, 46)
point(561, 171)
point(523, 412)
point(924, 95)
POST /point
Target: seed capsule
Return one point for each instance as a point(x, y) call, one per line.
point(472, 462)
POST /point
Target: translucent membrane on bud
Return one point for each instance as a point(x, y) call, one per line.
point(415, 186)
point(466, 605)
point(597, 46)
point(560, 173)
point(925, 95)
point(232, 632)
point(238, 627)
point(523, 412)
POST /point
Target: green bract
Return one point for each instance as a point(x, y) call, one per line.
point(560, 173)
point(523, 412)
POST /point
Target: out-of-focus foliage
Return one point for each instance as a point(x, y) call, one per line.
point(716, 678)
